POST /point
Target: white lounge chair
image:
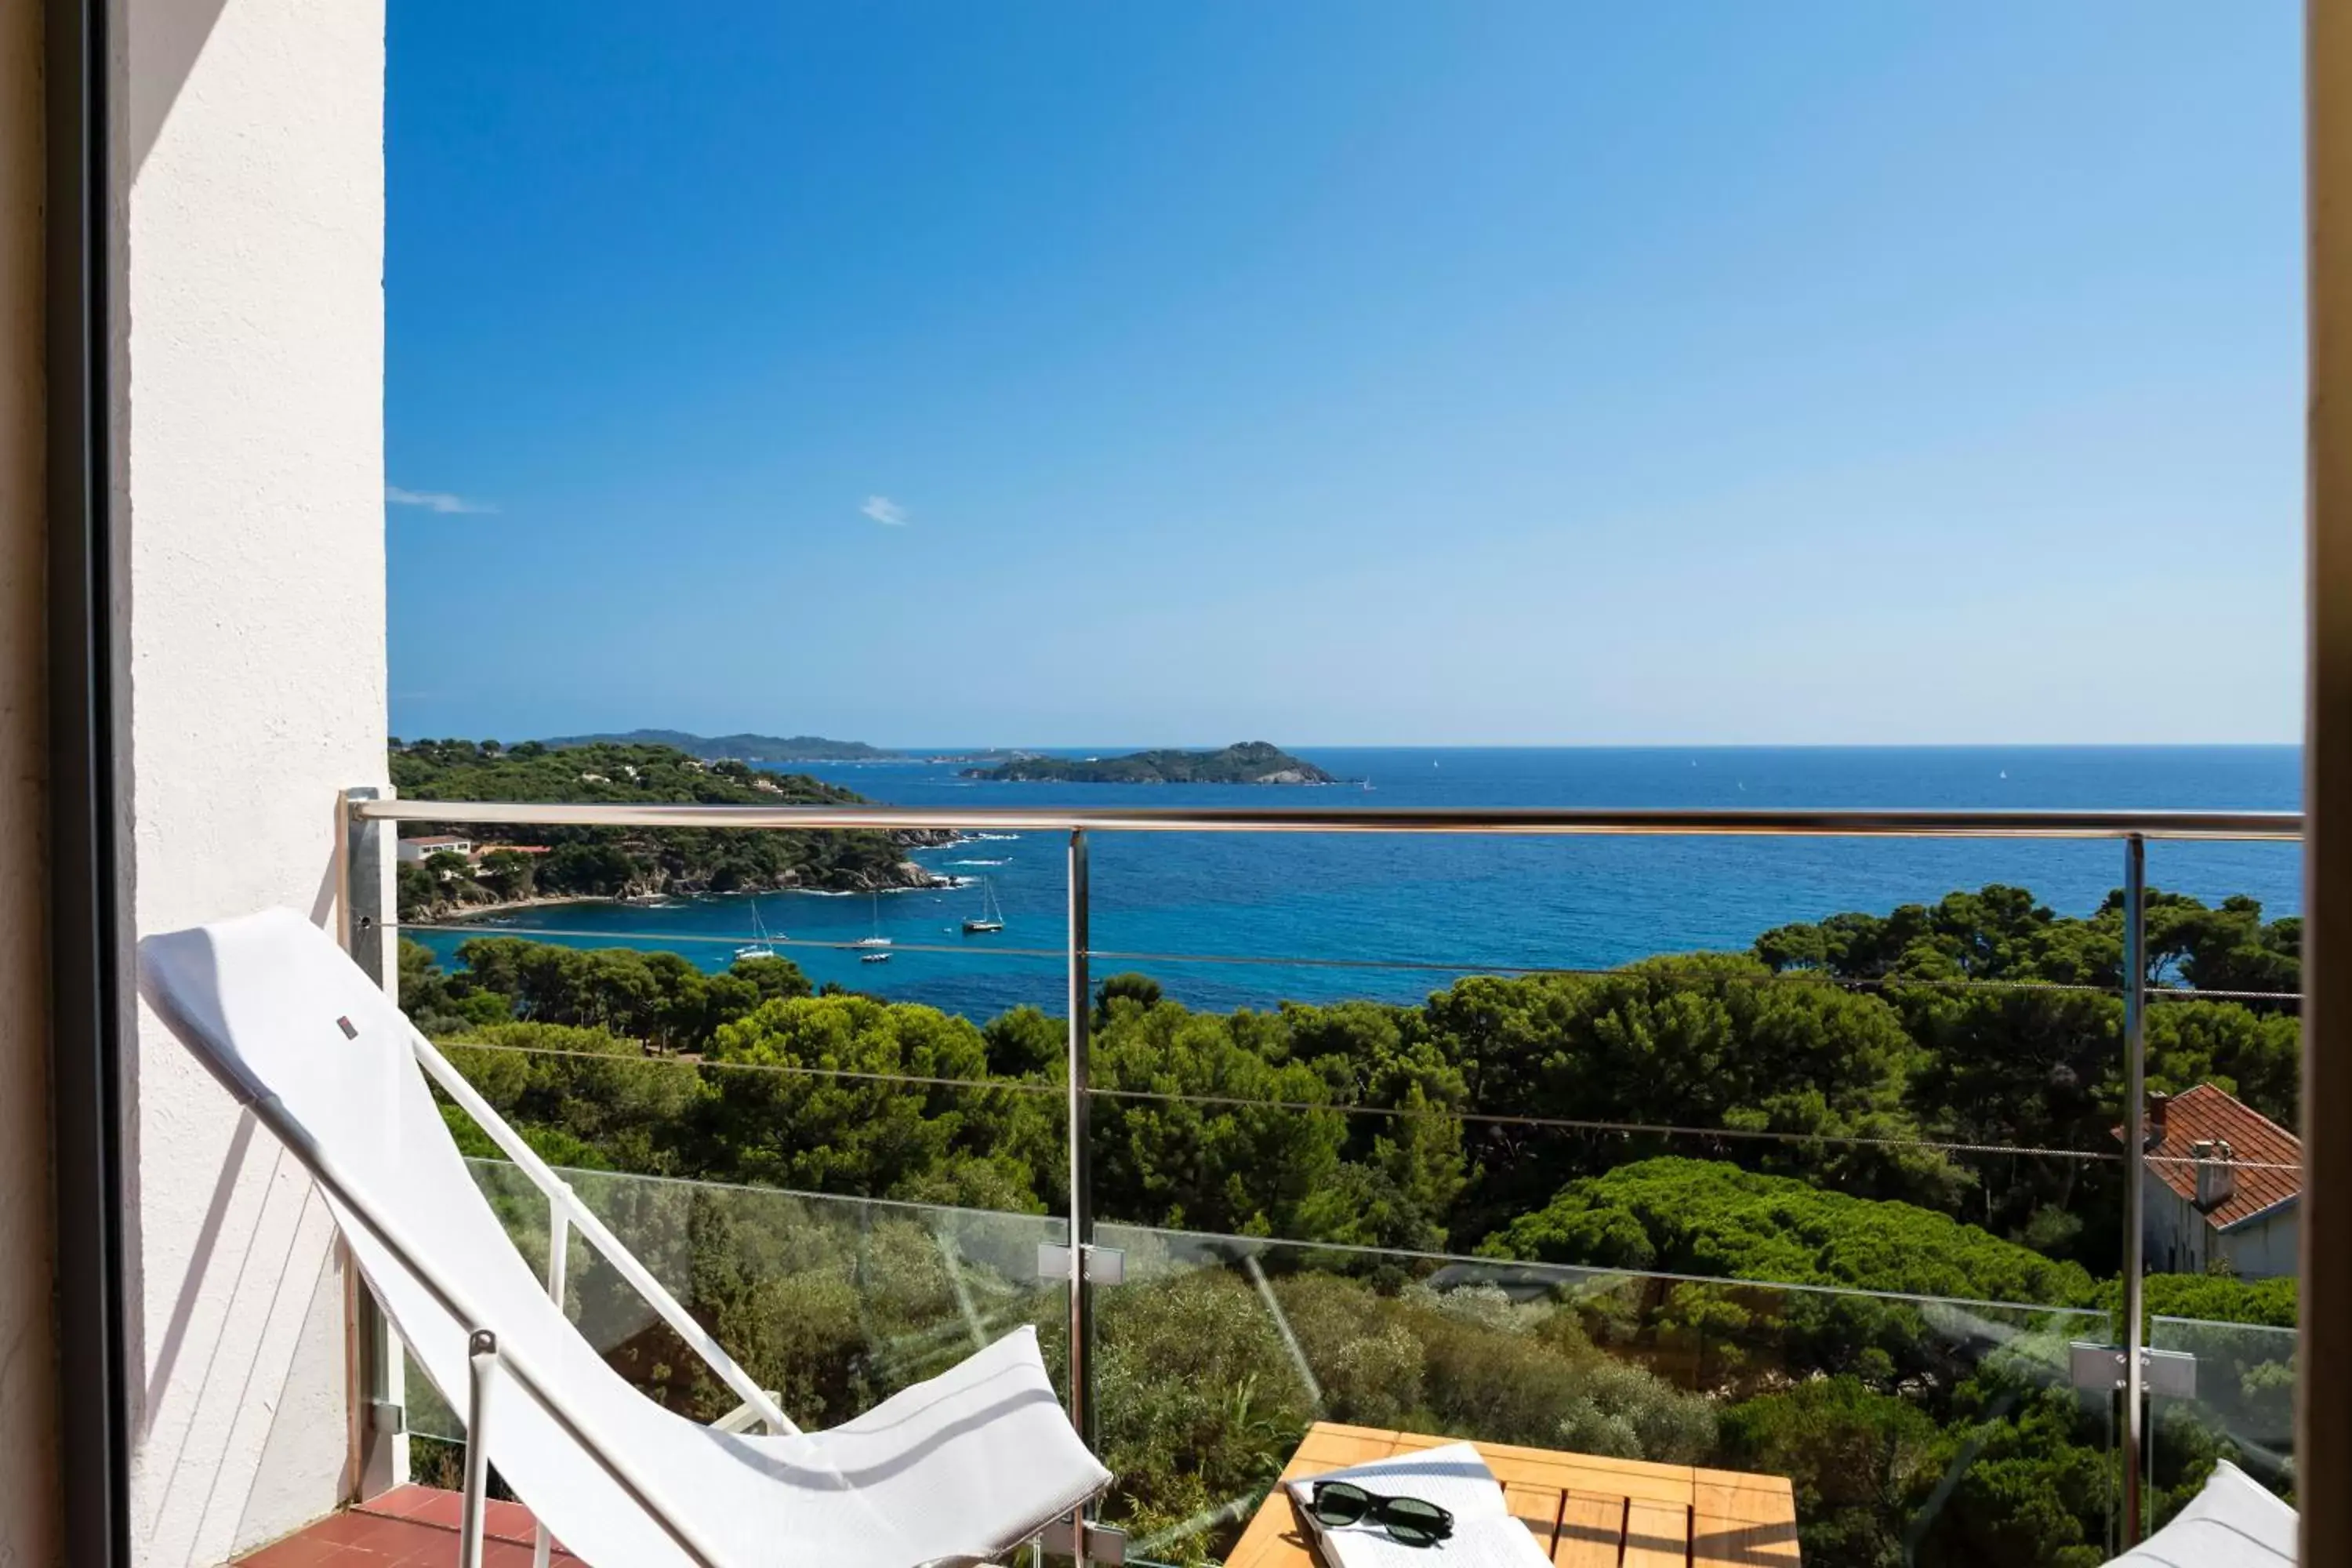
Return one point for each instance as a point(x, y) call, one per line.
point(2232, 1523)
point(958, 1470)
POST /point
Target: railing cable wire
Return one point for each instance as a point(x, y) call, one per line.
point(1225, 1102)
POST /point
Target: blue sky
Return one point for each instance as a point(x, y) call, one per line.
point(1343, 370)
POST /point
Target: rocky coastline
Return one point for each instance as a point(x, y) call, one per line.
point(909, 877)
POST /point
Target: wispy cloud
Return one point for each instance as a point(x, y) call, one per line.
point(886, 511)
point(441, 502)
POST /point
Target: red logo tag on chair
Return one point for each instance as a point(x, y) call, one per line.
point(349, 1033)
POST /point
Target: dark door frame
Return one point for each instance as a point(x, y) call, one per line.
point(88, 1002)
point(2324, 1351)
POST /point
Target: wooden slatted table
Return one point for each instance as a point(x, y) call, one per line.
point(1585, 1510)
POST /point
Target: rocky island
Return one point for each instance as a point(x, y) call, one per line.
point(1252, 763)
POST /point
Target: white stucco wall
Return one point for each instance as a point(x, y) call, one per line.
point(2177, 1238)
point(2181, 1241)
point(2267, 1250)
point(248, 358)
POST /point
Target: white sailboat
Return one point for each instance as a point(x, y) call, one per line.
point(877, 941)
point(992, 913)
point(758, 946)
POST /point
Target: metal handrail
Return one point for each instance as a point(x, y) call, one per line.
point(1572, 821)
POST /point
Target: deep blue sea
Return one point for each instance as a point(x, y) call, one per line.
point(1455, 903)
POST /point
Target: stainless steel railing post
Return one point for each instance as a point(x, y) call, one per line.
point(2134, 983)
point(1082, 1216)
point(366, 853)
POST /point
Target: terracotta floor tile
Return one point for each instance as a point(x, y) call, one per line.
point(343, 1528)
point(509, 1522)
point(299, 1552)
point(388, 1537)
point(439, 1552)
point(397, 1503)
point(447, 1509)
point(410, 1527)
point(436, 1551)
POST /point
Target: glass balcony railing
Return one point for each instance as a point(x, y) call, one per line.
point(2243, 1409)
point(1214, 1354)
point(1801, 1214)
point(831, 1303)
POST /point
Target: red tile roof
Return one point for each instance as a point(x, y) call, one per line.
point(2268, 1159)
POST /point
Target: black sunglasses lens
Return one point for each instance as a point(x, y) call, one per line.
point(1409, 1513)
point(1336, 1502)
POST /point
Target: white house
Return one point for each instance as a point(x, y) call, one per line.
point(415, 850)
point(2224, 1184)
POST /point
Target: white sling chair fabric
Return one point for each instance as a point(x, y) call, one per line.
point(2232, 1524)
point(956, 1469)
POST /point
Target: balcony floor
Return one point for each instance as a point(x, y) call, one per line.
point(408, 1527)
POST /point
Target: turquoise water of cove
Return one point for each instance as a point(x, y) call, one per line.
point(1252, 920)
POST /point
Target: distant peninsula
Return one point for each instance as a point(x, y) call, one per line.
point(459, 870)
point(735, 748)
point(1252, 762)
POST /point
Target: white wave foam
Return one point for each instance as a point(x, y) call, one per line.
point(997, 837)
point(980, 862)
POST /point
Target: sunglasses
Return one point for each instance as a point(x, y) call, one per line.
point(1408, 1521)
